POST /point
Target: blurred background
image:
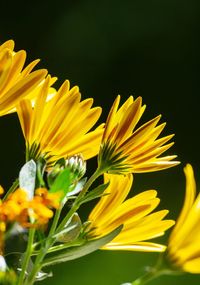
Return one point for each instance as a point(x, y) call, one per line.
point(147, 48)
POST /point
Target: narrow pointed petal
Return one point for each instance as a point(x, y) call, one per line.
point(16, 82)
point(139, 223)
point(125, 148)
point(139, 246)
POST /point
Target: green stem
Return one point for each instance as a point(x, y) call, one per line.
point(11, 189)
point(153, 274)
point(37, 265)
point(90, 181)
point(26, 257)
point(65, 246)
point(50, 241)
point(161, 268)
point(55, 222)
point(76, 204)
point(44, 249)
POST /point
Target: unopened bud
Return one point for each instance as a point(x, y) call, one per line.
point(76, 165)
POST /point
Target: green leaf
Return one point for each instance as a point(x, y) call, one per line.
point(40, 274)
point(77, 187)
point(95, 193)
point(27, 176)
point(61, 183)
point(79, 251)
point(41, 164)
point(71, 230)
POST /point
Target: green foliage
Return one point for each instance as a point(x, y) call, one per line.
point(71, 230)
point(61, 183)
point(41, 165)
point(86, 248)
point(95, 193)
point(27, 177)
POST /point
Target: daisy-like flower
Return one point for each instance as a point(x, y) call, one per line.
point(184, 248)
point(59, 127)
point(139, 224)
point(126, 149)
point(16, 82)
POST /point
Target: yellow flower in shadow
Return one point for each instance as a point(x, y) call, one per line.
point(59, 126)
point(126, 149)
point(184, 247)
point(139, 224)
point(16, 82)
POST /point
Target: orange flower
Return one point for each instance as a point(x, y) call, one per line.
point(29, 213)
point(48, 199)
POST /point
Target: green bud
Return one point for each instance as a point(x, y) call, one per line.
point(76, 165)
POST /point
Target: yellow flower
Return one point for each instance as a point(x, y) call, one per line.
point(184, 247)
point(139, 224)
point(124, 149)
point(59, 127)
point(16, 82)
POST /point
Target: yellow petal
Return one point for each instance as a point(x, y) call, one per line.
point(13, 74)
point(24, 110)
point(129, 121)
point(7, 45)
point(192, 266)
point(139, 246)
point(21, 89)
point(111, 118)
point(189, 201)
point(117, 191)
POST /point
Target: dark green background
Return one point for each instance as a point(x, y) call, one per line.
point(143, 48)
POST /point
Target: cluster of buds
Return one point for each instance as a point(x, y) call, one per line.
point(75, 164)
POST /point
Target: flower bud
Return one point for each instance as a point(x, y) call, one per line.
point(76, 165)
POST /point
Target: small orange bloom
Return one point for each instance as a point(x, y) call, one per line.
point(29, 213)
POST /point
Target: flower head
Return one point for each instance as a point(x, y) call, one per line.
point(184, 248)
point(125, 149)
point(139, 224)
point(16, 82)
point(59, 127)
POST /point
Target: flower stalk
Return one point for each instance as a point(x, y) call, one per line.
point(27, 256)
point(13, 187)
point(78, 200)
point(161, 268)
